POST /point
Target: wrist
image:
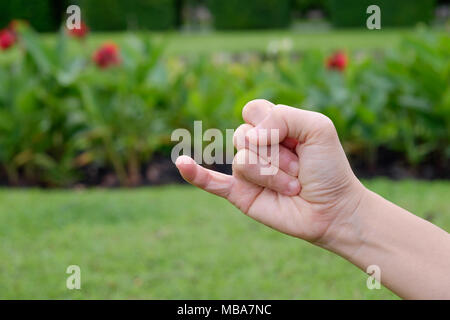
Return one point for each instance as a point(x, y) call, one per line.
point(348, 233)
point(403, 246)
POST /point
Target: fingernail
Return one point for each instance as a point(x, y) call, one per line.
point(294, 186)
point(252, 136)
point(183, 160)
point(293, 167)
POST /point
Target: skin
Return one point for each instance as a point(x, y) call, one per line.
point(315, 196)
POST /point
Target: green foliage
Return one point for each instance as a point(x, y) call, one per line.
point(129, 14)
point(352, 13)
point(60, 113)
point(262, 14)
point(39, 13)
point(304, 5)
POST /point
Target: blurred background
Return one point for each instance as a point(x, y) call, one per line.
point(86, 117)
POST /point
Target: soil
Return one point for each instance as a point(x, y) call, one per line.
point(160, 170)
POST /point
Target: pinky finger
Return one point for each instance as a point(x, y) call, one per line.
point(214, 182)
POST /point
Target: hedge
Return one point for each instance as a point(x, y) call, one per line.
point(62, 118)
point(352, 13)
point(109, 15)
point(303, 6)
point(40, 14)
point(262, 14)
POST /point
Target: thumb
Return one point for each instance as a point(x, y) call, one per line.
point(287, 122)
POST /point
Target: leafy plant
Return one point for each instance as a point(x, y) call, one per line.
point(62, 112)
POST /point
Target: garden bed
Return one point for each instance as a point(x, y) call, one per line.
point(70, 116)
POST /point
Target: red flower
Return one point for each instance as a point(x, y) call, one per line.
point(338, 61)
point(80, 32)
point(106, 56)
point(7, 39)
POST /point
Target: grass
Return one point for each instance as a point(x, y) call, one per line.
point(175, 242)
point(212, 42)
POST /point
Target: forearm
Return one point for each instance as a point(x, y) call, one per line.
point(413, 255)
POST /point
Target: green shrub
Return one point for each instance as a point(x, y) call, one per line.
point(262, 14)
point(153, 14)
point(129, 14)
point(60, 113)
point(303, 6)
point(352, 13)
point(40, 14)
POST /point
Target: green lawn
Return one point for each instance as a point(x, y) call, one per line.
point(212, 42)
point(175, 242)
point(259, 41)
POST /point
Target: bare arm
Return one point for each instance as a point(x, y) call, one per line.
point(413, 254)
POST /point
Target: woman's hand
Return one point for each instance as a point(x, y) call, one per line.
point(313, 187)
point(314, 195)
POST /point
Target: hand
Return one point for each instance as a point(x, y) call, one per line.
point(314, 189)
point(315, 196)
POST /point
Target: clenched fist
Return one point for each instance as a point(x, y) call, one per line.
point(314, 195)
point(313, 187)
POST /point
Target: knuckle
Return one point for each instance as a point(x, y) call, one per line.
point(279, 110)
point(275, 115)
point(279, 113)
point(239, 136)
point(239, 160)
point(252, 106)
point(325, 124)
point(282, 106)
